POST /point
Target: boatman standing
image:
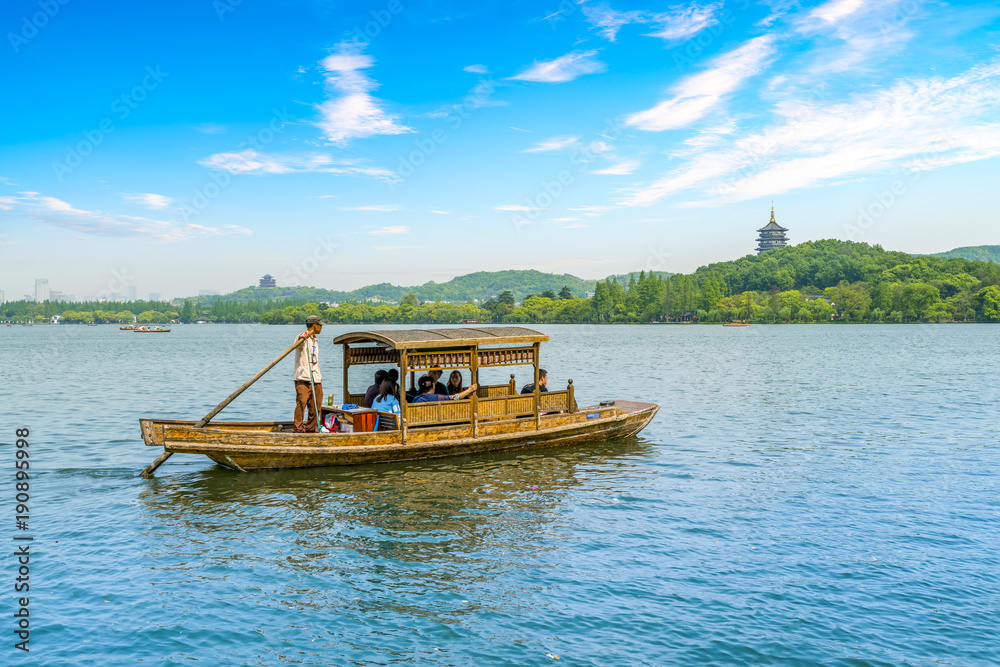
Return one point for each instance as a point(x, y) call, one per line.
point(308, 379)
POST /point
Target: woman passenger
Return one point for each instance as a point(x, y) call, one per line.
point(386, 400)
point(454, 385)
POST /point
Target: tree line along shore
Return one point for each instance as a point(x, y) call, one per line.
point(816, 281)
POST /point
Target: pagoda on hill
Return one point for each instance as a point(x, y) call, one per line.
point(772, 235)
point(267, 281)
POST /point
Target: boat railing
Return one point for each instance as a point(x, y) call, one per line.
point(557, 401)
point(491, 390)
point(490, 408)
point(439, 412)
point(503, 407)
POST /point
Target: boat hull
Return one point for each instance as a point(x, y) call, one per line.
point(249, 446)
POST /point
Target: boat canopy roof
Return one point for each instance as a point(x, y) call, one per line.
point(410, 339)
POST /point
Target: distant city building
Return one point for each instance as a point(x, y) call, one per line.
point(56, 296)
point(208, 292)
point(772, 235)
point(131, 293)
point(41, 290)
point(154, 296)
point(267, 281)
point(1, 297)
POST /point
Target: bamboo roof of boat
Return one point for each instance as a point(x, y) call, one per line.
point(412, 339)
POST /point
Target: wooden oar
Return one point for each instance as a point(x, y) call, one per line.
point(218, 408)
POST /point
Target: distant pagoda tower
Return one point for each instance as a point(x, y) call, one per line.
point(772, 235)
point(268, 281)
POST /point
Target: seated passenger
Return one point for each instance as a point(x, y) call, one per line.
point(454, 385)
point(438, 387)
point(543, 379)
point(427, 394)
point(386, 400)
point(394, 376)
point(373, 390)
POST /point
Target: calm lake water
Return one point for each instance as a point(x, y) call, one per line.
point(807, 494)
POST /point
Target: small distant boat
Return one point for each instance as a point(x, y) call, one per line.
point(741, 323)
point(150, 330)
point(128, 328)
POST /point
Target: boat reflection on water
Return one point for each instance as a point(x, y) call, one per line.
point(445, 524)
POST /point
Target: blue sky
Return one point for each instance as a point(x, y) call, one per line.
point(198, 145)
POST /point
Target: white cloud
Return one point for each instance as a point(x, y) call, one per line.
point(373, 207)
point(677, 23)
point(683, 22)
point(593, 211)
point(53, 204)
point(609, 21)
point(862, 31)
point(253, 163)
point(149, 200)
point(620, 169)
point(476, 69)
point(835, 10)
point(354, 113)
point(53, 211)
point(698, 94)
point(7, 203)
point(512, 207)
point(520, 129)
point(915, 125)
point(441, 212)
point(552, 144)
point(561, 220)
point(565, 68)
point(384, 231)
point(709, 136)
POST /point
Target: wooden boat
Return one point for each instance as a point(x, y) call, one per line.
point(128, 328)
point(147, 330)
point(493, 418)
point(736, 324)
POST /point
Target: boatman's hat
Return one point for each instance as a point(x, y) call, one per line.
point(313, 319)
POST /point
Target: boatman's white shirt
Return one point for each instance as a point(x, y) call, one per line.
point(307, 354)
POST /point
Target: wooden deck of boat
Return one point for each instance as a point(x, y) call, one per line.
point(248, 446)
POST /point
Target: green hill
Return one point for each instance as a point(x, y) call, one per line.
point(482, 285)
point(977, 253)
